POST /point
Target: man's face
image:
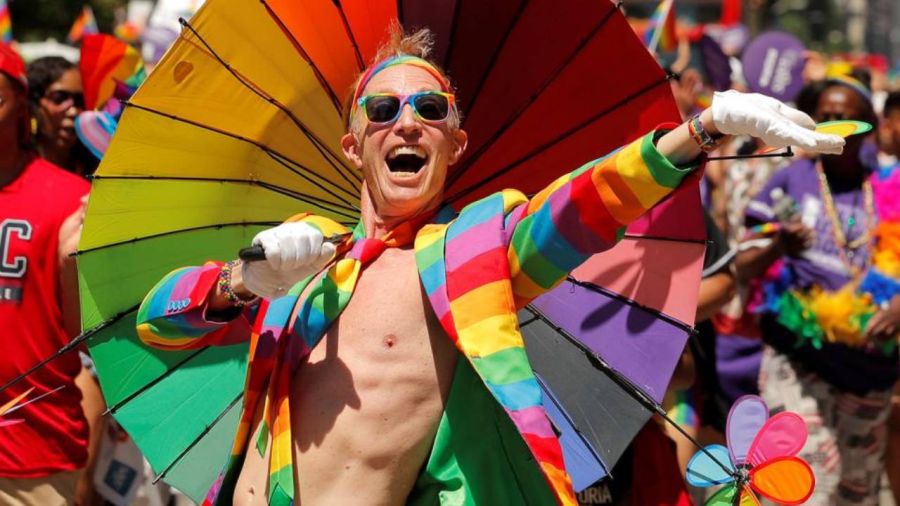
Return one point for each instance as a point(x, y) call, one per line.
point(404, 163)
point(12, 108)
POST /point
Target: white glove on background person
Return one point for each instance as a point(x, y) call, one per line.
point(294, 251)
point(736, 113)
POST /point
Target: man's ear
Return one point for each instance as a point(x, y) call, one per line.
point(462, 140)
point(351, 149)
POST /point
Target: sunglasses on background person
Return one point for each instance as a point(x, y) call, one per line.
point(383, 108)
point(59, 97)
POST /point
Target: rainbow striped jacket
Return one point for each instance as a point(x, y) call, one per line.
point(477, 269)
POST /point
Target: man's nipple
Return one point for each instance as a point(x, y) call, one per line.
point(389, 341)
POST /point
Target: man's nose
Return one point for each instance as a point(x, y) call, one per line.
point(408, 122)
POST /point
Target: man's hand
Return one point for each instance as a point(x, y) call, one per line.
point(735, 113)
point(885, 323)
point(794, 238)
point(294, 251)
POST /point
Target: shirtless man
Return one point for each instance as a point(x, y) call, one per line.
point(369, 408)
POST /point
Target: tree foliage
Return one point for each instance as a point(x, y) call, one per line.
point(35, 20)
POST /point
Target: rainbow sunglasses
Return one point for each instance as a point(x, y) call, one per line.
point(429, 106)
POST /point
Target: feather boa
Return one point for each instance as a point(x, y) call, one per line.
point(817, 316)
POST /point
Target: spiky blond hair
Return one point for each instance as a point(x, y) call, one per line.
point(418, 43)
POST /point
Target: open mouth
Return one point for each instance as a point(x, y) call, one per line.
point(406, 160)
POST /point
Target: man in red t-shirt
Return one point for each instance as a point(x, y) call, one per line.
point(40, 211)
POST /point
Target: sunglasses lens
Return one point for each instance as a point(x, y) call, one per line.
point(432, 107)
point(60, 96)
point(382, 109)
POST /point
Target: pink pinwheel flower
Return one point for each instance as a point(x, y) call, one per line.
point(760, 458)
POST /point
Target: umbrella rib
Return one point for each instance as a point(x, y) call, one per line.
point(451, 40)
point(571, 422)
point(631, 302)
point(476, 92)
point(112, 409)
point(533, 98)
point(302, 171)
point(193, 443)
point(286, 164)
point(784, 154)
point(636, 392)
point(320, 146)
point(346, 23)
point(173, 232)
point(660, 238)
point(71, 345)
point(335, 100)
point(546, 145)
point(334, 207)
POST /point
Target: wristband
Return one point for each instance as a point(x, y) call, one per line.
point(227, 290)
point(703, 139)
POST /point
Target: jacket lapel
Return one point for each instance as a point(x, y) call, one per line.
point(464, 269)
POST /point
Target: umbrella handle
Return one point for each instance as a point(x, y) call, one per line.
point(257, 253)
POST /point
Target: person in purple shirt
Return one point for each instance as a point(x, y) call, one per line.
point(841, 389)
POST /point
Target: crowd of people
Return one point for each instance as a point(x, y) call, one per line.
point(791, 241)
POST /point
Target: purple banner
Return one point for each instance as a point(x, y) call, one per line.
point(773, 65)
point(718, 69)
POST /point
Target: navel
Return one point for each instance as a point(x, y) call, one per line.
point(389, 341)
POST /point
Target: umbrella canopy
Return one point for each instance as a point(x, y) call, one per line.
point(238, 128)
point(607, 340)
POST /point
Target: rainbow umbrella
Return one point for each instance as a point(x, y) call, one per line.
point(238, 127)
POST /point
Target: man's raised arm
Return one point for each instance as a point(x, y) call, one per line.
point(586, 211)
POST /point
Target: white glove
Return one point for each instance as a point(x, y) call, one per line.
point(778, 125)
point(294, 251)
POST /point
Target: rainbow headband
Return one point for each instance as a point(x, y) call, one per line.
point(390, 62)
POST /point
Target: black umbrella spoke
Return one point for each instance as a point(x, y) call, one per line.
point(543, 147)
point(533, 98)
point(637, 237)
point(788, 153)
point(476, 92)
point(359, 59)
point(72, 345)
point(115, 407)
point(628, 386)
point(335, 100)
point(349, 212)
point(300, 171)
point(451, 39)
point(193, 443)
point(633, 303)
point(295, 167)
point(332, 158)
point(571, 422)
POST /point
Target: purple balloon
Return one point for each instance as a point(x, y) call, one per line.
point(773, 65)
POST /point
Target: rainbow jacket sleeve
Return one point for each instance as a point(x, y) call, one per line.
point(173, 315)
point(585, 212)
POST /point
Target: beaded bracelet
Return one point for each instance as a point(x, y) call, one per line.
point(703, 139)
point(226, 288)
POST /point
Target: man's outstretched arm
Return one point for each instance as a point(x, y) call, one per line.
point(586, 211)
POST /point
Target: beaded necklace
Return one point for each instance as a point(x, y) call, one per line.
point(847, 248)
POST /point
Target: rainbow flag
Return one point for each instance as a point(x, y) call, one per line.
point(84, 24)
point(5, 23)
point(660, 34)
